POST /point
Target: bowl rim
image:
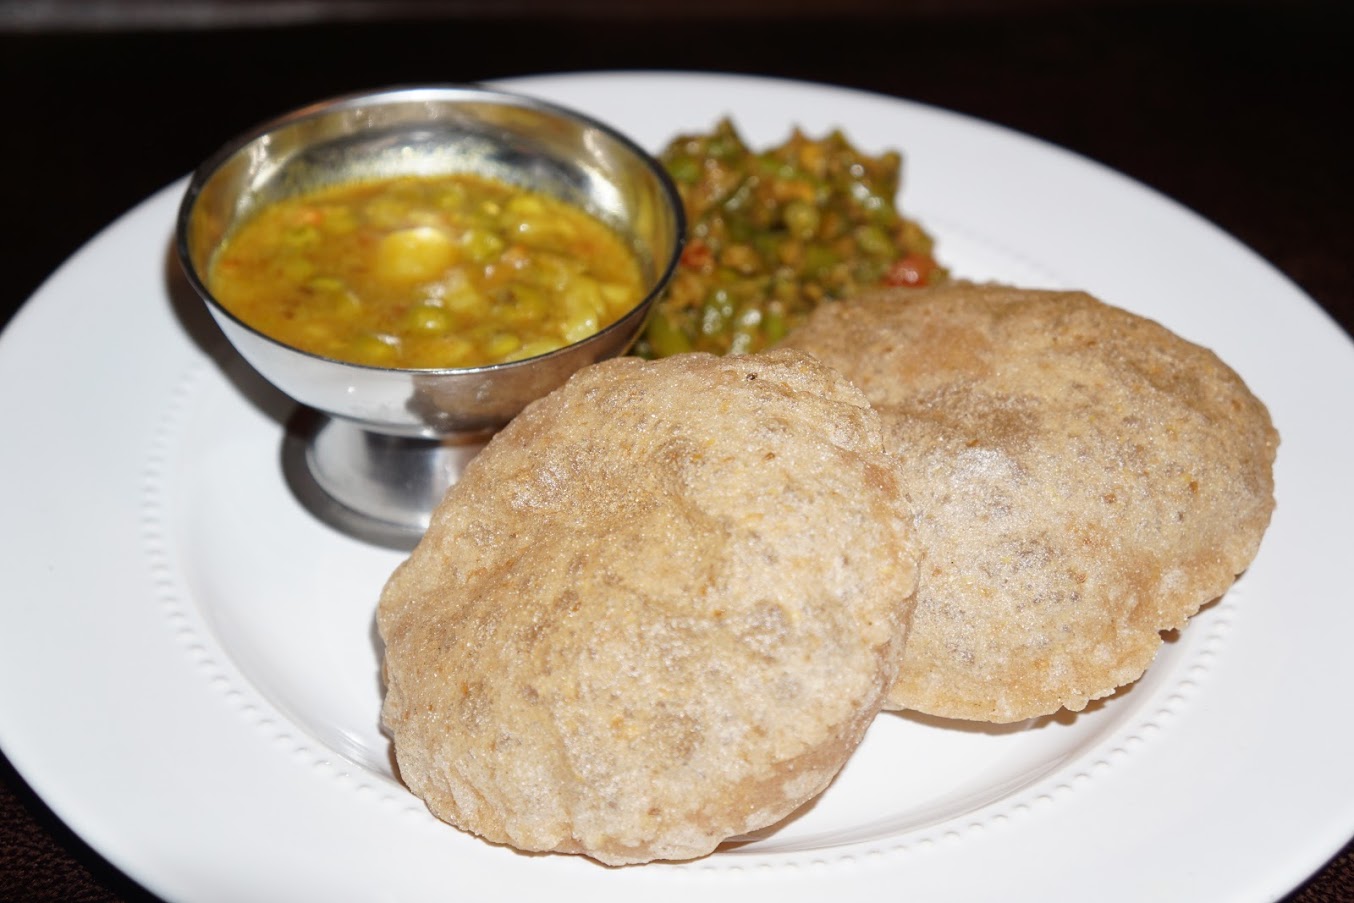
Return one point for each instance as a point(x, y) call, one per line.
point(412, 93)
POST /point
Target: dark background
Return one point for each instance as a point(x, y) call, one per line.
point(1239, 110)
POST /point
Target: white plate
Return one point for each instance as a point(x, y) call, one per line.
point(188, 669)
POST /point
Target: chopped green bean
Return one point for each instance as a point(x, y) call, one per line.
point(773, 233)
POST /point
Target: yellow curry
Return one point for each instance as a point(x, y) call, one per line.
point(426, 272)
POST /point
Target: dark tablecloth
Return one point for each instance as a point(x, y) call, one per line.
point(1238, 110)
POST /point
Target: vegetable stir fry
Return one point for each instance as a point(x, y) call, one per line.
point(773, 234)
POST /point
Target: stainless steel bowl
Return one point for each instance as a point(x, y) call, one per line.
point(391, 440)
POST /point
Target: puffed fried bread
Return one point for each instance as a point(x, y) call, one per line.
point(1083, 479)
point(657, 611)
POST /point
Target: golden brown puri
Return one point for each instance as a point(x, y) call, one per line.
point(1082, 478)
point(657, 611)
